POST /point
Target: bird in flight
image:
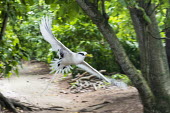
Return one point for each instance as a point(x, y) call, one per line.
point(66, 56)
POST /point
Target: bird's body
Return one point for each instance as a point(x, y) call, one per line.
point(64, 63)
point(66, 56)
point(73, 59)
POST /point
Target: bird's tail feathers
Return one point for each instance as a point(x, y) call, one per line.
point(117, 83)
point(103, 77)
point(58, 68)
point(51, 80)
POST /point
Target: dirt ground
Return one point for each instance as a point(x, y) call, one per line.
point(34, 77)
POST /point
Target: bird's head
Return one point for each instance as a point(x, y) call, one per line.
point(84, 54)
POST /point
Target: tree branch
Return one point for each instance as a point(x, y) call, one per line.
point(4, 24)
point(156, 37)
point(96, 3)
point(154, 9)
point(104, 11)
point(7, 103)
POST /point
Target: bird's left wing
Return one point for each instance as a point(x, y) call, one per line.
point(84, 65)
point(45, 28)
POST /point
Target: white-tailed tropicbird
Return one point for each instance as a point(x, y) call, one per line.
point(67, 57)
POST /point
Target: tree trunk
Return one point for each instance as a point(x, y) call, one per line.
point(153, 84)
point(154, 64)
point(167, 33)
point(137, 79)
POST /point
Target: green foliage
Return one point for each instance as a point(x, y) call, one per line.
point(49, 1)
point(122, 24)
point(10, 54)
point(122, 77)
point(32, 41)
point(11, 51)
point(22, 39)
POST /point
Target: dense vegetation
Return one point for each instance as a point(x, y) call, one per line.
point(77, 24)
point(21, 38)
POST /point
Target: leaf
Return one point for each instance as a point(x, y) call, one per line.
point(49, 1)
point(16, 72)
point(23, 2)
point(7, 72)
point(122, 2)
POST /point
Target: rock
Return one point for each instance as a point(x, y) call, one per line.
point(62, 91)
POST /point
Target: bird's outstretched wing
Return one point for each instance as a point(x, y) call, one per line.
point(45, 28)
point(84, 65)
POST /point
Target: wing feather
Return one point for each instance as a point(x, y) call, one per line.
point(84, 65)
point(45, 28)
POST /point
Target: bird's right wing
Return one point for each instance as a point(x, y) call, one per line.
point(84, 65)
point(45, 28)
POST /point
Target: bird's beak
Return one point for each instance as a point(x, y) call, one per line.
point(89, 55)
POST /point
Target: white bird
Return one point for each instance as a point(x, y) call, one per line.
point(66, 56)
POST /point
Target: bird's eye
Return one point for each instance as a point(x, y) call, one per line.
point(81, 54)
